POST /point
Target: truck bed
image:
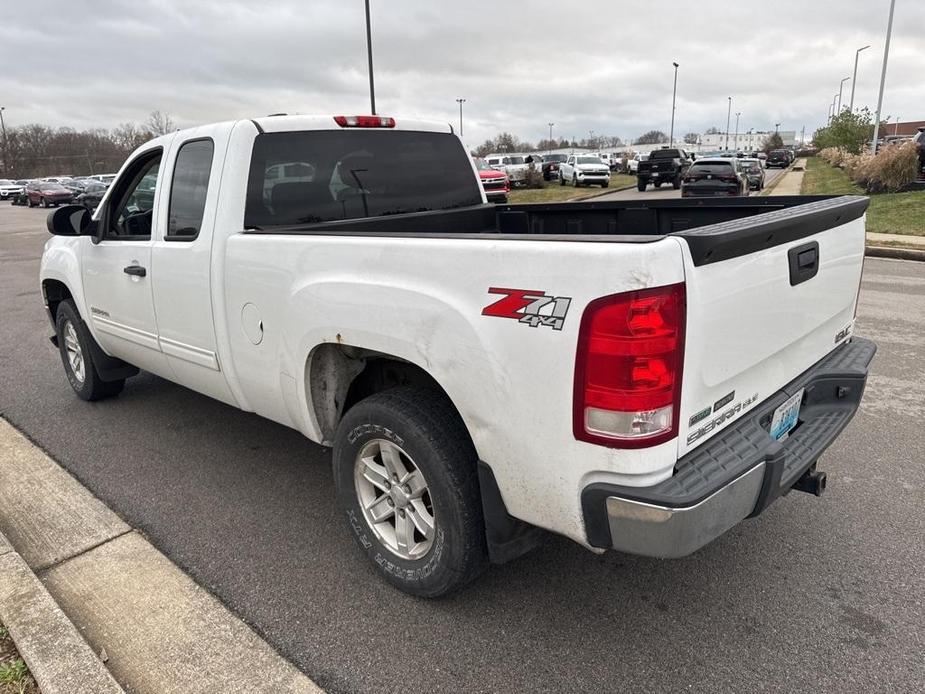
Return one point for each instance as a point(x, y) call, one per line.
point(715, 229)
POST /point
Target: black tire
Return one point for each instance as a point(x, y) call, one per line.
point(91, 387)
point(45, 203)
point(428, 430)
point(561, 180)
point(640, 185)
point(575, 182)
point(29, 202)
point(605, 184)
point(676, 183)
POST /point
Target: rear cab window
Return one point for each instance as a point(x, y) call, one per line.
point(712, 167)
point(188, 190)
point(299, 178)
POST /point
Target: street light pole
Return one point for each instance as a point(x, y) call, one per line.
point(3, 128)
point(460, 102)
point(834, 99)
point(550, 132)
point(854, 77)
point(735, 144)
point(841, 86)
point(674, 93)
point(728, 117)
point(369, 52)
point(886, 55)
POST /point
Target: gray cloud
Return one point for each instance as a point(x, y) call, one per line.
point(601, 66)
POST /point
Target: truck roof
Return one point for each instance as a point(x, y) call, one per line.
point(287, 123)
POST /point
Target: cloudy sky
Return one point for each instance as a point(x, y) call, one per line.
point(602, 66)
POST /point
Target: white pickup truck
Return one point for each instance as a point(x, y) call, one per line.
point(638, 376)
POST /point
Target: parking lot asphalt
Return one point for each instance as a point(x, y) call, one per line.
point(667, 192)
point(814, 595)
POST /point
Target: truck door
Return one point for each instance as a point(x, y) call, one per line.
point(182, 260)
point(116, 271)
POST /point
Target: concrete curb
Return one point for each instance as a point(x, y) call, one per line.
point(57, 655)
point(160, 630)
point(896, 253)
point(605, 191)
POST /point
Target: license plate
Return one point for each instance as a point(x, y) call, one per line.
point(786, 416)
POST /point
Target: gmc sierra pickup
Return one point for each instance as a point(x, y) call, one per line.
point(663, 166)
point(634, 376)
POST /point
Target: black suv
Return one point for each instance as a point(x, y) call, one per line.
point(779, 157)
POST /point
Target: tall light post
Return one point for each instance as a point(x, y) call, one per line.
point(674, 93)
point(834, 100)
point(460, 102)
point(728, 117)
point(550, 132)
point(841, 86)
point(3, 128)
point(854, 76)
point(369, 53)
point(735, 144)
point(886, 55)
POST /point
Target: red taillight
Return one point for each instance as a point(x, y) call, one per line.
point(628, 368)
point(364, 121)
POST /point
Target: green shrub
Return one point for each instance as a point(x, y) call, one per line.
point(534, 178)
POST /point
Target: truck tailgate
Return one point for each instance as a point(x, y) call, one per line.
point(767, 297)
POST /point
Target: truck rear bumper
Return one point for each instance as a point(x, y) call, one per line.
point(737, 473)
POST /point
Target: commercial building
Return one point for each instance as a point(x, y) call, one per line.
point(748, 141)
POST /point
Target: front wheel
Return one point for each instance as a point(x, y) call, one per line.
point(74, 340)
point(561, 180)
point(640, 185)
point(575, 182)
point(406, 477)
point(45, 203)
point(676, 183)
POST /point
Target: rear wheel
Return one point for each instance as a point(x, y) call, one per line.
point(676, 183)
point(74, 340)
point(640, 185)
point(406, 477)
point(45, 203)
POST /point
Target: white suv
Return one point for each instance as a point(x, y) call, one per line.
point(584, 169)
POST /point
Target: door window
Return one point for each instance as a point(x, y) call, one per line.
point(188, 190)
point(130, 216)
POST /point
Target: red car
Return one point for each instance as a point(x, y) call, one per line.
point(48, 194)
point(495, 183)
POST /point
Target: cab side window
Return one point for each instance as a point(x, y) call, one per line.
point(129, 217)
point(188, 190)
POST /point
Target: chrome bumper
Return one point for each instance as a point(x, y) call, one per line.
point(662, 531)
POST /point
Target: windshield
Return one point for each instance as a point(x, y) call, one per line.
point(482, 165)
point(355, 173)
point(750, 165)
point(589, 160)
point(555, 157)
point(666, 154)
point(4, 182)
point(513, 160)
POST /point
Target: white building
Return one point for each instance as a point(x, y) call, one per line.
point(747, 141)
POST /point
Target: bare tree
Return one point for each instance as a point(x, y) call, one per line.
point(160, 123)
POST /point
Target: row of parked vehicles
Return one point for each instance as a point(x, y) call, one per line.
point(56, 190)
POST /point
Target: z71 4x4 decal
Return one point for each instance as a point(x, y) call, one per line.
point(535, 308)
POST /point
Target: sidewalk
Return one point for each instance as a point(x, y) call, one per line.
point(160, 632)
point(900, 246)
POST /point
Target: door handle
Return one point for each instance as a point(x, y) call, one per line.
point(135, 270)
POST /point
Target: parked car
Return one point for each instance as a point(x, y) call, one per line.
point(92, 195)
point(480, 380)
point(754, 174)
point(103, 178)
point(551, 163)
point(9, 189)
point(778, 158)
point(48, 194)
point(514, 165)
point(712, 177)
point(584, 170)
point(634, 162)
point(666, 166)
point(495, 183)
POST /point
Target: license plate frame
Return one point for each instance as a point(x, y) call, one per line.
point(786, 416)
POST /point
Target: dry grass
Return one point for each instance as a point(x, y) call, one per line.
point(14, 675)
point(553, 192)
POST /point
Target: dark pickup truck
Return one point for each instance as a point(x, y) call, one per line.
point(663, 166)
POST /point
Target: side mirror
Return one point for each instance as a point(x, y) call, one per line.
point(70, 220)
